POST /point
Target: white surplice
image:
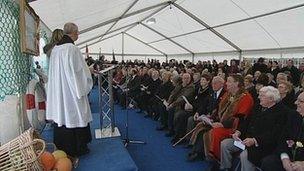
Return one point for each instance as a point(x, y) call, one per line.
point(68, 87)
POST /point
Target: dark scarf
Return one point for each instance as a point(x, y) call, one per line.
point(65, 39)
point(202, 90)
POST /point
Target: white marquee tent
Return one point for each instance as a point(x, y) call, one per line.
point(183, 28)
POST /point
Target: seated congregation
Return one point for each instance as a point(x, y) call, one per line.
point(208, 108)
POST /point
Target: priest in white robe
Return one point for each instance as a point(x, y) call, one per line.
point(68, 87)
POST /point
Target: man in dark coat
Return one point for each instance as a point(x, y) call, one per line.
point(163, 94)
point(208, 108)
point(151, 90)
point(180, 117)
point(145, 81)
point(260, 132)
point(293, 136)
point(260, 66)
point(133, 88)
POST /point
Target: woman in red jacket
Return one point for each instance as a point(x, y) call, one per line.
point(235, 105)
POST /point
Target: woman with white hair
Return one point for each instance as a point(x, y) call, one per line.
point(260, 133)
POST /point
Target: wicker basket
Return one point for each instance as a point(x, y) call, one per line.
point(22, 153)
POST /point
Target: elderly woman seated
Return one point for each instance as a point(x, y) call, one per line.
point(287, 94)
point(260, 132)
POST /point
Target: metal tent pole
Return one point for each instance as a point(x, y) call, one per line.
point(123, 46)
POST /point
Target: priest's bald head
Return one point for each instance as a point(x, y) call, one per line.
point(71, 30)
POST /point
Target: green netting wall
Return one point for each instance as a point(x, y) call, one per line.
point(15, 67)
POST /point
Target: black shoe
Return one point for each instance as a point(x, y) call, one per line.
point(214, 166)
point(74, 160)
point(147, 116)
point(194, 156)
point(161, 128)
point(187, 145)
point(156, 117)
point(225, 170)
point(84, 151)
point(174, 139)
point(170, 134)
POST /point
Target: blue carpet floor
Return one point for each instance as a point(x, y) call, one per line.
point(107, 154)
point(156, 155)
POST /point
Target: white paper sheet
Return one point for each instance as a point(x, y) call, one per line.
point(185, 99)
point(239, 144)
point(205, 119)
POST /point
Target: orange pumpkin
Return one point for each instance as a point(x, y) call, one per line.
point(47, 160)
point(63, 164)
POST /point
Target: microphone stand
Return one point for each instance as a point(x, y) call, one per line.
point(127, 140)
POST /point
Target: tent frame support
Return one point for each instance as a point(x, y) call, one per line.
point(128, 54)
point(132, 24)
point(123, 46)
point(122, 17)
point(240, 55)
point(146, 44)
point(193, 58)
point(151, 14)
point(244, 52)
point(207, 26)
point(234, 22)
point(103, 39)
point(167, 38)
point(98, 36)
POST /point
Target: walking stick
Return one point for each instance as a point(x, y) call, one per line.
point(181, 139)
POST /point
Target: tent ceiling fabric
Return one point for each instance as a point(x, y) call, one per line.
point(285, 27)
point(261, 6)
point(278, 30)
point(248, 35)
point(134, 18)
point(171, 21)
point(141, 4)
point(213, 12)
point(108, 45)
point(133, 46)
point(144, 34)
point(204, 41)
point(85, 13)
point(168, 47)
point(105, 37)
point(99, 37)
point(99, 31)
